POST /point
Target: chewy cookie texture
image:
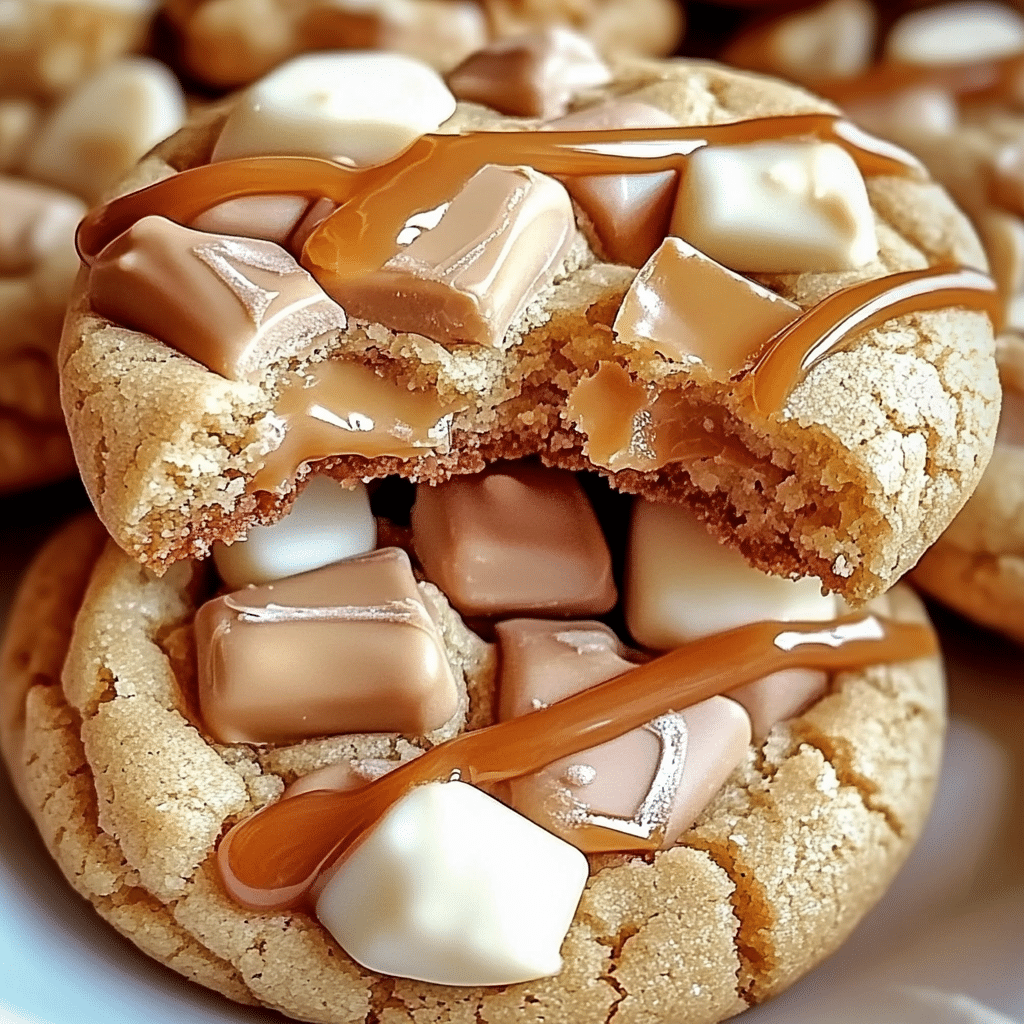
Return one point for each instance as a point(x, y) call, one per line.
point(846, 471)
point(111, 755)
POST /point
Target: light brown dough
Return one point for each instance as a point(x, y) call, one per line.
point(130, 797)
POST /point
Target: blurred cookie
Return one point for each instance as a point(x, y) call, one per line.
point(55, 159)
point(977, 566)
point(228, 43)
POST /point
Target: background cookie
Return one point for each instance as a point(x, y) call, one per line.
point(800, 842)
point(977, 566)
point(228, 43)
point(73, 120)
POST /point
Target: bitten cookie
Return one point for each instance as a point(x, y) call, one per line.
point(113, 757)
point(831, 427)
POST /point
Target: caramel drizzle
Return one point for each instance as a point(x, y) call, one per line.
point(375, 202)
point(272, 859)
point(824, 328)
point(988, 79)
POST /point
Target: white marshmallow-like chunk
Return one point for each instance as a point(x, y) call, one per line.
point(106, 126)
point(453, 887)
point(955, 33)
point(327, 523)
point(682, 584)
point(776, 207)
point(362, 108)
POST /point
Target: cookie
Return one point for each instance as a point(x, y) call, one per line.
point(48, 48)
point(111, 751)
point(229, 43)
point(975, 567)
point(56, 157)
point(846, 469)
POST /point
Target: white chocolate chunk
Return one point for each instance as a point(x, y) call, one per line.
point(106, 126)
point(957, 32)
point(681, 584)
point(452, 887)
point(327, 523)
point(833, 40)
point(362, 108)
point(776, 207)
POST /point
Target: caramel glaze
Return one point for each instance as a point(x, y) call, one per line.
point(979, 80)
point(375, 202)
point(825, 327)
point(272, 860)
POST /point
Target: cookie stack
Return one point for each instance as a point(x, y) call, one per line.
point(504, 479)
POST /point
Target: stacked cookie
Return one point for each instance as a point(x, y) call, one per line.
point(508, 473)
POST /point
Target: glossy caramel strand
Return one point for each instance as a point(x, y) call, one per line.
point(827, 326)
point(375, 202)
point(271, 860)
point(980, 80)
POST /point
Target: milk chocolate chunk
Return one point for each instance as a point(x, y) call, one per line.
point(532, 75)
point(234, 304)
point(628, 214)
point(273, 218)
point(778, 697)
point(516, 538)
point(694, 311)
point(343, 649)
point(645, 787)
point(496, 246)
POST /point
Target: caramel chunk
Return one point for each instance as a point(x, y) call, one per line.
point(532, 75)
point(627, 214)
point(496, 246)
point(234, 304)
point(693, 310)
point(516, 538)
point(347, 648)
point(650, 783)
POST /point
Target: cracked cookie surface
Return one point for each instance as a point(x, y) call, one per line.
point(873, 454)
point(130, 796)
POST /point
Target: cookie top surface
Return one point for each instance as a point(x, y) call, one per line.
point(817, 817)
point(862, 464)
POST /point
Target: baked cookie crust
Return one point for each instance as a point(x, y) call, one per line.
point(130, 797)
point(873, 454)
